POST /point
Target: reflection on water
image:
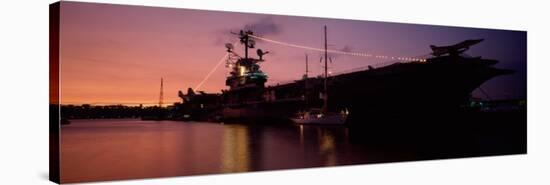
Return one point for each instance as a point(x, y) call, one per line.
point(327, 147)
point(94, 150)
point(235, 154)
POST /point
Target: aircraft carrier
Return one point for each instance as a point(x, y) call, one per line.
point(436, 85)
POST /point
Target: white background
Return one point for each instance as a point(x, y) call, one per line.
point(24, 91)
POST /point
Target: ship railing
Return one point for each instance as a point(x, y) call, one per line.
point(362, 68)
point(277, 83)
point(378, 65)
point(263, 101)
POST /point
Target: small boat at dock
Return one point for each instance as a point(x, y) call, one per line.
point(316, 116)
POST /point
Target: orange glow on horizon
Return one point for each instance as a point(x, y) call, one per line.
point(117, 54)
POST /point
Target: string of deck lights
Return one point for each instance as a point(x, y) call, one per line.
point(222, 60)
point(406, 59)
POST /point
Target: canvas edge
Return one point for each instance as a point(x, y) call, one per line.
point(54, 130)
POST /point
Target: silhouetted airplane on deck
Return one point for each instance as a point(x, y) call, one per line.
point(454, 50)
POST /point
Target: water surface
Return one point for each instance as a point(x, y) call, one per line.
point(98, 150)
point(121, 149)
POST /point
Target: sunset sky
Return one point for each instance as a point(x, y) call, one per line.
point(117, 54)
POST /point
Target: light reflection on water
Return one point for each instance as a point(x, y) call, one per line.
point(327, 148)
point(94, 150)
point(235, 155)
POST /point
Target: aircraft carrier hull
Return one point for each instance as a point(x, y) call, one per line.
point(438, 86)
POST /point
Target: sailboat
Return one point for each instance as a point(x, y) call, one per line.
point(321, 116)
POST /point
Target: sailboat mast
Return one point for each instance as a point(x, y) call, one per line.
point(246, 45)
point(305, 83)
point(306, 67)
point(325, 98)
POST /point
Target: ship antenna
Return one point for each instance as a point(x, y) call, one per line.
point(246, 41)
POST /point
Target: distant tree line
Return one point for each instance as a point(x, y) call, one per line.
point(87, 111)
